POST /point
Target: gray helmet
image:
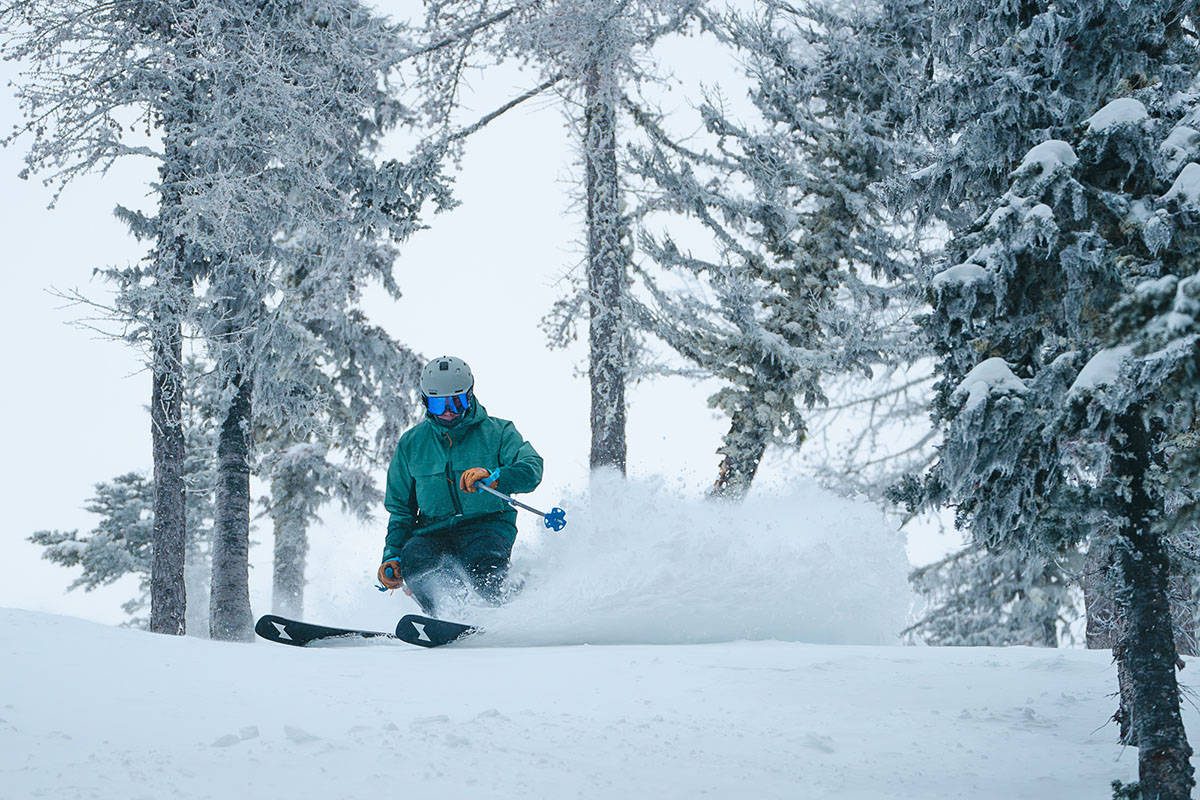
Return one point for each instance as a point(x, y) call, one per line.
point(446, 375)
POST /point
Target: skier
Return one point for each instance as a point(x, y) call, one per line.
point(444, 534)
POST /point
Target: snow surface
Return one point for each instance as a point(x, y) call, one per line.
point(1122, 111)
point(99, 712)
point(662, 648)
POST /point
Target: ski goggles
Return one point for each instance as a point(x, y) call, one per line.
point(458, 403)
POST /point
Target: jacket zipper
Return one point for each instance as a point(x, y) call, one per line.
point(450, 485)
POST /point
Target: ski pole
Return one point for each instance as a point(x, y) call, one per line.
point(556, 519)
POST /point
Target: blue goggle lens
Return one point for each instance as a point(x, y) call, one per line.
point(458, 403)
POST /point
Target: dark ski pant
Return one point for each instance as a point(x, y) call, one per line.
point(437, 566)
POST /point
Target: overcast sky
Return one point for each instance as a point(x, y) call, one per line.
point(476, 285)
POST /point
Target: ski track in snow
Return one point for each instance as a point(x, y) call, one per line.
point(89, 711)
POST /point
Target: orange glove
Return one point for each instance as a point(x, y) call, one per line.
point(467, 480)
point(389, 574)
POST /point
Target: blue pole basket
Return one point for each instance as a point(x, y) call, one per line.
point(556, 519)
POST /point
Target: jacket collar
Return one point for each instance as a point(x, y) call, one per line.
point(475, 414)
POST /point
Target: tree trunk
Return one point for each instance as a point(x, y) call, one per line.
point(168, 594)
point(168, 597)
point(607, 271)
point(743, 449)
point(1148, 648)
point(291, 551)
point(230, 618)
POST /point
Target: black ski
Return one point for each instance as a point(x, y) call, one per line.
point(430, 632)
point(299, 634)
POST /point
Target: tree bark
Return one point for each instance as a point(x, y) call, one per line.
point(607, 272)
point(168, 593)
point(1148, 648)
point(168, 596)
point(742, 447)
point(230, 618)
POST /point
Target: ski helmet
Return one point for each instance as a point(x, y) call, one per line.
point(447, 383)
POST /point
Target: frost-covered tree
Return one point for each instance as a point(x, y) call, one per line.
point(303, 478)
point(976, 598)
point(592, 52)
point(297, 219)
point(806, 277)
point(95, 72)
point(1057, 213)
point(122, 542)
point(262, 118)
point(367, 381)
point(1003, 77)
point(1068, 341)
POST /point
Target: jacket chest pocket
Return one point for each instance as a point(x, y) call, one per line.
point(434, 494)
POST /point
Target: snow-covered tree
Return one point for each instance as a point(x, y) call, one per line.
point(1003, 77)
point(592, 52)
point(297, 221)
point(262, 118)
point(1068, 340)
point(1059, 204)
point(367, 381)
point(95, 72)
point(122, 543)
point(807, 274)
point(976, 598)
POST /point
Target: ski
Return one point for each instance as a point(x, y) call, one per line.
point(300, 634)
point(430, 632)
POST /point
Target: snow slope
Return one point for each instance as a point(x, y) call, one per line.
point(662, 648)
point(88, 711)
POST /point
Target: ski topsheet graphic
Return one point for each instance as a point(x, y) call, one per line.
point(413, 628)
point(294, 632)
point(430, 632)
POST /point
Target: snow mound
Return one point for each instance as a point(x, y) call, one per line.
point(1102, 369)
point(1123, 111)
point(1186, 188)
point(961, 275)
point(1048, 155)
point(988, 376)
point(640, 564)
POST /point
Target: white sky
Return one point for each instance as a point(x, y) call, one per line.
point(476, 285)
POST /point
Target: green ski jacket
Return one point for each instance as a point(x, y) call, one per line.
point(422, 493)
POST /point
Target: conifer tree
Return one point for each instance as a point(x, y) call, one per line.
point(264, 116)
point(122, 543)
point(806, 282)
point(1059, 205)
point(592, 52)
point(1068, 342)
point(976, 598)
